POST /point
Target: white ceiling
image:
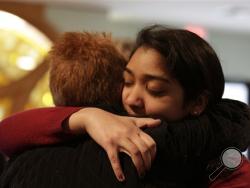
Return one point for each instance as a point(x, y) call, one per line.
point(231, 15)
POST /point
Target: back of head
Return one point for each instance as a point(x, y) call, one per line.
point(86, 69)
point(189, 59)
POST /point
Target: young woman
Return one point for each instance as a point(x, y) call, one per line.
point(176, 76)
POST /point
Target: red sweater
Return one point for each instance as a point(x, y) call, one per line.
point(238, 179)
point(18, 133)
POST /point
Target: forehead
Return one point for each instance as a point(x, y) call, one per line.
point(148, 60)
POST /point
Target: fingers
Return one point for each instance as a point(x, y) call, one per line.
point(144, 150)
point(133, 151)
point(131, 140)
point(115, 163)
point(146, 122)
point(154, 123)
point(150, 144)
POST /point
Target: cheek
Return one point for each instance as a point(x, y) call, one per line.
point(174, 112)
point(166, 108)
point(155, 107)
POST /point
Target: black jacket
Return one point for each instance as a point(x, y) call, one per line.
point(184, 150)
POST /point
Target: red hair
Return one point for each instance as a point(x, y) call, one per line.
point(86, 69)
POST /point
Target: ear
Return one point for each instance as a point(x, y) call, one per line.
point(199, 105)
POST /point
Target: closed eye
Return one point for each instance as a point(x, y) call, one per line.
point(157, 93)
point(128, 83)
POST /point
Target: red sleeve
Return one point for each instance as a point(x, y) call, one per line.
point(34, 127)
point(238, 179)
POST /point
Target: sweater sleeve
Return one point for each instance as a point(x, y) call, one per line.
point(33, 128)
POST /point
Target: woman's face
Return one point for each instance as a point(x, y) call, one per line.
point(149, 90)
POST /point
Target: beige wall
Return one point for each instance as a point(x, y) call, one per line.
point(232, 48)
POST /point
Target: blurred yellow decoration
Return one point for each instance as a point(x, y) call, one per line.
point(5, 105)
point(47, 99)
point(23, 70)
point(40, 95)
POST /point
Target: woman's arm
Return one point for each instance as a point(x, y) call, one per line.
point(114, 135)
point(205, 137)
point(50, 166)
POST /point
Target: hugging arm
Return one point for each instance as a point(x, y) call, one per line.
point(204, 137)
point(229, 125)
point(101, 125)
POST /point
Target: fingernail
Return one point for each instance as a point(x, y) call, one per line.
point(121, 177)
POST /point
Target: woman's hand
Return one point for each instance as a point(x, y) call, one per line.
point(117, 134)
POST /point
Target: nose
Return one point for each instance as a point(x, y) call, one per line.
point(135, 97)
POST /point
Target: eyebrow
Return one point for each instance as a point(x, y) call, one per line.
point(149, 76)
point(128, 71)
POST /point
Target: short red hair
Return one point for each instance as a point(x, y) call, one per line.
point(86, 69)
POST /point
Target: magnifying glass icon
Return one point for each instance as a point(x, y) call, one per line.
point(231, 159)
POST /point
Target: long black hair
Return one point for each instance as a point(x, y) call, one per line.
point(189, 59)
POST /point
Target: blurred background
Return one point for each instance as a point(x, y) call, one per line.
point(29, 27)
